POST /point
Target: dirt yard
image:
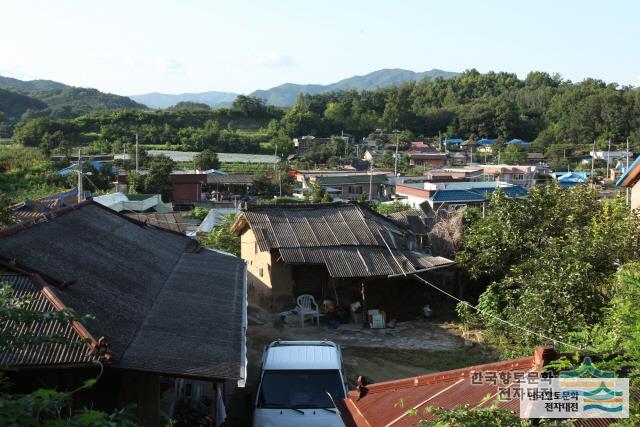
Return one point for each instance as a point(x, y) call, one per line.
point(409, 349)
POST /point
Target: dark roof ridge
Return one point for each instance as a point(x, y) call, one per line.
point(16, 228)
point(294, 205)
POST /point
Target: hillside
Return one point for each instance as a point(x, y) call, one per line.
point(13, 104)
point(284, 95)
point(77, 101)
point(29, 85)
point(56, 100)
point(164, 100)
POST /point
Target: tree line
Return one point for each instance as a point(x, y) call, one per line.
point(556, 114)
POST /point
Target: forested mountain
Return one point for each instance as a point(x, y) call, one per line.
point(560, 117)
point(22, 85)
point(77, 101)
point(286, 94)
point(37, 98)
point(165, 100)
point(13, 105)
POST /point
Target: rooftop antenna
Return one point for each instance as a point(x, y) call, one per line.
point(80, 191)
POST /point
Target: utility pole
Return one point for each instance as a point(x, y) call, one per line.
point(593, 158)
point(370, 179)
point(276, 154)
point(608, 156)
point(395, 167)
point(626, 168)
point(136, 153)
point(80, 190)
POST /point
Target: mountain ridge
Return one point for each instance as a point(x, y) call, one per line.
point(284, 95)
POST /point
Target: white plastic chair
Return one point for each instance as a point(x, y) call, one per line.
point(306, 306)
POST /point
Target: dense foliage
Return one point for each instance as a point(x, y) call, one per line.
point(561, 117)
point(547, 262)
point(222, 238)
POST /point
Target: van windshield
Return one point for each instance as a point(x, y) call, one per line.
point(303, 389)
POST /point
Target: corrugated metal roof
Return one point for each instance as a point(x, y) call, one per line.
point(379, 404)
point(73, 351)
point(352, 179)
point(349, 239)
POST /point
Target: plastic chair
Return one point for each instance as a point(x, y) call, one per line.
point(306, 306)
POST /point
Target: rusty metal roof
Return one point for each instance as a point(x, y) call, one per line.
point(78, 348)
point(348, 238)
point(389, 403)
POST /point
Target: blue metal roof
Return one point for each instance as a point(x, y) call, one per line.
point(518, 141)
point(479, 194)
point(97, 165)
point(486, 141)
point(454, 140)
point(626, 173)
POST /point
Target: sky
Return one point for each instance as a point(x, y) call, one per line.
point(139, 46)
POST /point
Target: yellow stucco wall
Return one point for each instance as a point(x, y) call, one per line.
point(635, 196)
point(270, 282)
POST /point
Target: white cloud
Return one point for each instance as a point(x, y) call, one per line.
point(170, 66)
point(271, 60)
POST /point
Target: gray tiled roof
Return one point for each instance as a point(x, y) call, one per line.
point(163, 303)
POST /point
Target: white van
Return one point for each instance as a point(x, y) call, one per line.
point(296, 379)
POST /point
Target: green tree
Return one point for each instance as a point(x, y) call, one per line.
point(222, 238)
point(7, 217)
point(514, 154)
point(206, 159)
point(158, 178)
point(547, 261)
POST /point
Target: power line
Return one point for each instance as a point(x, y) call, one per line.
point(496, 317)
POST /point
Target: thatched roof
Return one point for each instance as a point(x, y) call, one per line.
point(163, 303)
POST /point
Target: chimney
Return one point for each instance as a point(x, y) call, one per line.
point(542, 356)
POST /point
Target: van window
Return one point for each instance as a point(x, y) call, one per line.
point(304, 389)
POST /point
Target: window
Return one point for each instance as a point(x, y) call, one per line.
point(300, 389)
point(355, 189)
point(518, 177)
point(260, 271)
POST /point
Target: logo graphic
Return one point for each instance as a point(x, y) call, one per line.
point(586, 392)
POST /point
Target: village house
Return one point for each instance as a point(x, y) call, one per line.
point(524, 176)
point(167, 316)
point(342, 252)
point(194, 186)
point(571, 179)
point(630, 181)
point(372, 155)
point(427, 159)
point(346, 185)
point(303, 143)
point(38, 209)
point(432, 195)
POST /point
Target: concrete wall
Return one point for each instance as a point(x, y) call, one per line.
point(270, 281)
point(635, 196)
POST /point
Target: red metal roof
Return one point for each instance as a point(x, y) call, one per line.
point(388, 403)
